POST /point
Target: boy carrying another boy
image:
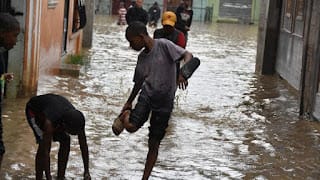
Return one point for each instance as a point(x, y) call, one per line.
point(155, 79)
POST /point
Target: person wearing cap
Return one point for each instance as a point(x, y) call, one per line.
point(168, 30)
point(53, 118)
point(9, 31)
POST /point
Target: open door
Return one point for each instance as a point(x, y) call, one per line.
point(65, 27)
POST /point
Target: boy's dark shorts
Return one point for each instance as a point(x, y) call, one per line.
point(158, 121)
point(31, 117)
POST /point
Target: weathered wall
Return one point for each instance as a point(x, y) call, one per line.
point(16, 54)
point(237, 9)
point(88, 29)
point(289, 58)
point(268, 36)
point(311, 92)
point(291, 47)
point(50, 37)
point(103, 7)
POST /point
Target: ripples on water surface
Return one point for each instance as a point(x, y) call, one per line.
point(228, 124)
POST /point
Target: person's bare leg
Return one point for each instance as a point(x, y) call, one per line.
point(151, 157)
point(63, 156)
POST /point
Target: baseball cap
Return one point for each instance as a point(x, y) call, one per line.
point(169, 18)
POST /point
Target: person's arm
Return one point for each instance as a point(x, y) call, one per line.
point(181, 41)
point(187, 56)
point(182, 81)
point(85, 153)
point(157, 34)
point(129, 15)
point(158, 13)
point(179, 24)
point(43, 153)
point(8, 77)
point(134, 92)
point(145, 16)
point(190, 20)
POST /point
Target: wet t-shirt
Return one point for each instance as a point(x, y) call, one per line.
point(53, 106)
point(157, 70)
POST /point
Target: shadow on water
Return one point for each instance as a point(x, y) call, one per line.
point(228, 124)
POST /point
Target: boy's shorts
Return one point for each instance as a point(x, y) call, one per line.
point(38, 133)
point(158, 121)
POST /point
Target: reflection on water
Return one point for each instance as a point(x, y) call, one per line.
point(228, 124)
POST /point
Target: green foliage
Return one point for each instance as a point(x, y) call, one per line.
point(75, 59)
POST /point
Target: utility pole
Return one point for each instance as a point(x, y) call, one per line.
point(88, 29)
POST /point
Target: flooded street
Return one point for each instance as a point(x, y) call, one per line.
point(229, 123)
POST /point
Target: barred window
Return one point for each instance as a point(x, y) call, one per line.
point(288, 9)
point(293, 17)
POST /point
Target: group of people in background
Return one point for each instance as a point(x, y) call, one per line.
point(135, 12)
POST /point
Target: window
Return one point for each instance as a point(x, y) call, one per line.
point(287, 19)
point(293, 17)
point(289, 8)
point(300, 9)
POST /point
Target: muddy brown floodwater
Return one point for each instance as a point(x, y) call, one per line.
point(229, 123)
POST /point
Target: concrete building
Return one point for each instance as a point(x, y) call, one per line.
point(288, 45)
point(235, 11)
point(243, 11)
point(51, 29)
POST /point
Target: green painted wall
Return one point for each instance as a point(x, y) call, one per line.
point(255, 11)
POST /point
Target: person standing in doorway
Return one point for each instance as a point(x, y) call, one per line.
point(184, 17)
point(9, 31)
point(137, 13)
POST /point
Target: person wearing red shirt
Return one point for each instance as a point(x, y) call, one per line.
point(168, 30)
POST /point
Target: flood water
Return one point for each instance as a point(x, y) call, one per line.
point(229, 123)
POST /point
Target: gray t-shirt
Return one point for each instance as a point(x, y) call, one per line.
point(157, 70)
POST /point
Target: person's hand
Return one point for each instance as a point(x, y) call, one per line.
point(182, 82)
point(86, 176)
point(8, 76)
point(127, 106)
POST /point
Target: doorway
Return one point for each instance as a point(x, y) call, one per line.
point(65, 27)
